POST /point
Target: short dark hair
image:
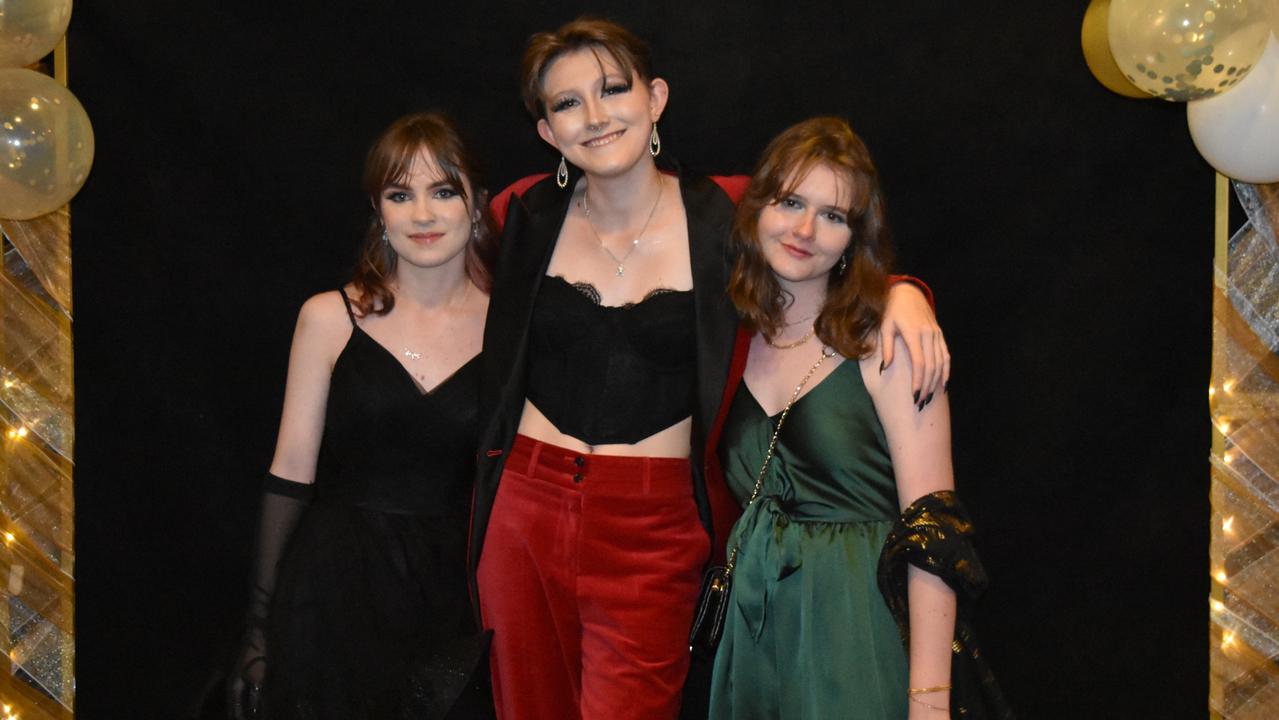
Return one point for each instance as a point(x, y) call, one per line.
point(630, 53)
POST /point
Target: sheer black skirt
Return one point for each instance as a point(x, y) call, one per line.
point(371, 619)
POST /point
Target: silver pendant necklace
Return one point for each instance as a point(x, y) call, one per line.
point(621, 262)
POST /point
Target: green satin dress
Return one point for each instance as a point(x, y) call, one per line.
point(808, 635)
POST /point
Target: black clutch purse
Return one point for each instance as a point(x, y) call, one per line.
point(712, 608)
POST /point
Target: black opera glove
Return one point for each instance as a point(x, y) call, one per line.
point(283, 503)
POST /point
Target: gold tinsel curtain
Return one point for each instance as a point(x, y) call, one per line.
point(1244, 397)
point(36, 504)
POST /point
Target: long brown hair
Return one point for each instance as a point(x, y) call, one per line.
point(855, 297)
point(630, 53)
point(388, 163)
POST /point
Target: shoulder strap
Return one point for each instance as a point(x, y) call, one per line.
point(347, 302)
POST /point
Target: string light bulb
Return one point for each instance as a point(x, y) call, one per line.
point(1218, 606)
point(1227, 639)
point(1221, 576)
point(1211, 391)
point(1228, 525)
point(1228, 386)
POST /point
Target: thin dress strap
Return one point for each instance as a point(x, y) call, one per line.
point(347, 302)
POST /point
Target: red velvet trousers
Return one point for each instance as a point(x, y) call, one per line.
point(590, 569)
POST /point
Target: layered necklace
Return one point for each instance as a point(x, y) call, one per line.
point(621, 262)
point(792, 345)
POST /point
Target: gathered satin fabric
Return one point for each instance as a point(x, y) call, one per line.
point(808, 634)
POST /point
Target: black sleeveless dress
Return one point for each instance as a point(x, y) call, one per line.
point(371, 616)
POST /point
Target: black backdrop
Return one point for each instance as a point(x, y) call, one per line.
point(1067, 233)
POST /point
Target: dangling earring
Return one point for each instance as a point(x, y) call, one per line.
point(843, 264)
point(561, 175)
point(654, 142)
point(385, 240)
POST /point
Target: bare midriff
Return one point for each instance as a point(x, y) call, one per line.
point(672, 442)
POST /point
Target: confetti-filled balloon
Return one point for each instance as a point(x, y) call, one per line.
point(30, 28)
point(46, 144)
point(1183, 50)
point(1238, 132)
point(1094, 37)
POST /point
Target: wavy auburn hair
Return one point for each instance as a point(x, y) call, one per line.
point(855, 298)
point(388, 163)
point(584, 33)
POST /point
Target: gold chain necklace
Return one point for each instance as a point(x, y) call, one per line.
point(621, 262)
point(791, 345)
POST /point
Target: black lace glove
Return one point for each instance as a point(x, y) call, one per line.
point(283, 502)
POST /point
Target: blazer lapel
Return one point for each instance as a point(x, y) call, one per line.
point(533, 223)
point(710, 220)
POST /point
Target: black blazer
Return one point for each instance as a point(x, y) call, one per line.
point(533, 223)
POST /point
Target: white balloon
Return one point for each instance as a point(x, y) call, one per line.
point(29, 29)
point(1237, 132)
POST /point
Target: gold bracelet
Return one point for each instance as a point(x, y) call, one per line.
point(922, 691)
point(930, 707)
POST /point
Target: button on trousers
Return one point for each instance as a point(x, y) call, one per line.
point(590, 569)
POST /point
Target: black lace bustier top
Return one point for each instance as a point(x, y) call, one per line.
point(611, 374)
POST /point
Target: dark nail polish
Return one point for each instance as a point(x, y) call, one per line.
point(919, 407)
point(916, 396)
point(928, 399)
point(946, 388)
point(881, 367)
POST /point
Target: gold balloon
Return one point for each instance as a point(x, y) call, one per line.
point(1182, 50)
point(1096, 43)
point(46, 144)
point(30, 28)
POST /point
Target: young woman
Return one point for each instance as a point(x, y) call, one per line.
point(808, 633)
point(363, 612)
point(607, 350)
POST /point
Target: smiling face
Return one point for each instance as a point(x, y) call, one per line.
point(427, 220)
point(803, 234)
point(598, 117)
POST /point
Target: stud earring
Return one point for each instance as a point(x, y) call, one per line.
point(654, 142)
point(561, 174)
